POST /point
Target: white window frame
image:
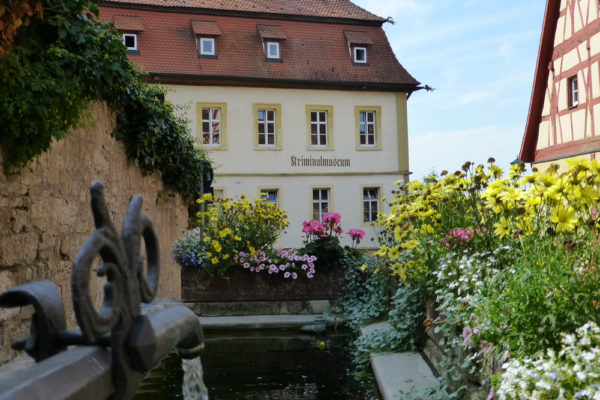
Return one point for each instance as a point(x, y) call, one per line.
point(269, 127)
point(211, 40)
point(355, 53)
point(275, 45)
point(573, 91)
point(320, 128)
point(135, 41)
point(320, 203)
point(210, 121)
point(364, 125)
point(370, 206)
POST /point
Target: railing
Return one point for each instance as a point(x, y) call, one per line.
point(106, 356)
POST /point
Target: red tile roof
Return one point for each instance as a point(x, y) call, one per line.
point(343, 9)
point(271, 32)
point(356, 37)
point(209, 28)
point(128, 23)
point(313, 54)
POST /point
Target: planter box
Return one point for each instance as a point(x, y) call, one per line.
point(243, 285)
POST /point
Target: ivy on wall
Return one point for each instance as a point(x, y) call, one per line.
point(61, 63)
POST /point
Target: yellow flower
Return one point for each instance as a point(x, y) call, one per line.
point(208, 254)
point(321, 345)
point(237, 238)
point(364, 267)
point(225, 256)
point(502, 227)
point(394, 253)
point(216, 246)
point(214, 260)
point(206, 239)
point(410, 244)
point(382, 251)
point(562, 216)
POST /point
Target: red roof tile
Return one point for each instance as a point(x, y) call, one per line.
point(209, 28)
point(314, 53)
point(128, 23)
point(356, 37)
point(343, 9)
point(271, 32)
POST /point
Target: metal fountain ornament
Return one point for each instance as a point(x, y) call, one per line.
point(112, 348)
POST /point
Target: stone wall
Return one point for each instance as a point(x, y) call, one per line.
point(45, 217)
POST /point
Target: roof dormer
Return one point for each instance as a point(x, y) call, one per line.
point(130, 27)
point(358, 44)
point(206, 33)
point(271, 36)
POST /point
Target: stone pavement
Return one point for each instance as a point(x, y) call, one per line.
point(397, 372)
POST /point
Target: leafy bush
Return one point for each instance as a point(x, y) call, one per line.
point(66, 60)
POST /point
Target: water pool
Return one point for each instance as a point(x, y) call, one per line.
point(266, 365)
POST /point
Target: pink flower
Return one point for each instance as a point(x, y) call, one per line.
point(294, 275)
point(286, 275)
point(356, 234)
point(331, 218)
point(467, 333)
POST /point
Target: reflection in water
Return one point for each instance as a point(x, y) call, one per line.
point(193, 387)
point(261, 365)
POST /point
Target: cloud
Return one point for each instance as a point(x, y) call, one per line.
point(448, 150)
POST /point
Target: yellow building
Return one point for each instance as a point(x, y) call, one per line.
point(301, 102)
point(564, 115)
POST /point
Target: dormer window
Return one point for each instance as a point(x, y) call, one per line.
point(360, 55)
point(206, 33)
point(130, 27)
point(273, 50)
point(272, 36)
point(130, 41)
point(358, 44)
point(207, 47)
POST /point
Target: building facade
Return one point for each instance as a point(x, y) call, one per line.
point(303, 103)
point(564, 114)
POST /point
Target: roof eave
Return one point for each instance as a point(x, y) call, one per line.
point(213, 80)
point(233, 13)
point(540, 81)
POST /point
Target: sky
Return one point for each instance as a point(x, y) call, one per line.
point(480, 57)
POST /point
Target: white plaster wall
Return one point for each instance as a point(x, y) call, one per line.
point(294, 136)
point(296, 200)
point(240, 169)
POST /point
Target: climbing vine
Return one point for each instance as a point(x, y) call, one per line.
point(54, 67)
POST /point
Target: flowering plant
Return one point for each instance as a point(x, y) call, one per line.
point(356, 235)
point(225, 228)
point(572, 373)
point(323, 239)
point(285, 262)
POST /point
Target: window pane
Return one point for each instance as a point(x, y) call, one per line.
point(205, 138)
point(271, 139)
point(363, 139)
point(271, 115)
point(261, 139)
point(323, 140)
point(271, 127)
point(205, 127)
point(371, 129)
point(205, 113)
point(370, 116)
point(216, 139)
point(261, 115)
point(216, 128)
point(362, 117)
point(314, 140)
point(313, 128)
point(313, 116)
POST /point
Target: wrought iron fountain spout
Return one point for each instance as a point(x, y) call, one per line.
point(115, 346)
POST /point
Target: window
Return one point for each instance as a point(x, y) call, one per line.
point(272, 50)
point(370, 206)
point(207, 46)
point(219, 193)
point(268, 126)
point(573, 92)
point(130, 41)
point(270, 196)
point(360, 55)
point(320, 202)
point(319, 127)
point(368, 128)
point(211, 125)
